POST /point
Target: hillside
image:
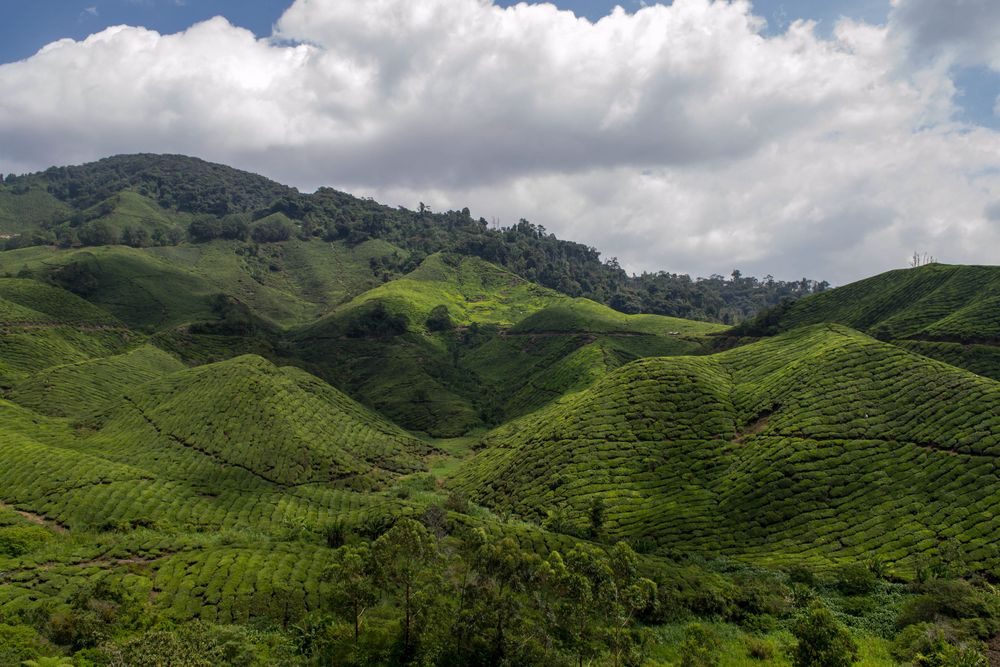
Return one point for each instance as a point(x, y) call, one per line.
point(164, 200)
point(814, 444)
point(242, 425)
point(499, 345)
point(951, 313)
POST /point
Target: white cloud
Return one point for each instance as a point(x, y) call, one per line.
point(676, 138)
point(966, 32)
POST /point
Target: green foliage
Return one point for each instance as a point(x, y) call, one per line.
point(19, 540)
point(19, 643)
point(272, 229)
point(822, 641)
point(946, 312)
point(856, 579)
point(439, 319)
point(927, 645)
point(700, 647)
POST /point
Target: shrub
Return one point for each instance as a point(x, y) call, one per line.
point(272, 230)
point(856, 579)
point(759, 649)
point(19, 643)
point(439, 319)
point(700, 647)
point(822, 641)
point(375, 321)
point(955, 599)
point(19, 540)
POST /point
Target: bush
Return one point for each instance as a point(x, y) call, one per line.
point(927, 645)
point(856, 579)
point(955, 599)
point(19, 643)
point(375, 321)
point(759, 649)
point(19, 540)
point(439, 319)
point(99, 232)
point(700, 647)
point(204, 229)
point(271, 230)
point(822, 641)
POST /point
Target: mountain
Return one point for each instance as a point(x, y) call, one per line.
point(159, 200)
point(242, 425)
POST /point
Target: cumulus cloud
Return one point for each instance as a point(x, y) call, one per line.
point(965, 32)
point(677, 137)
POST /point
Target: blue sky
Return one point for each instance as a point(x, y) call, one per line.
point(676, 139)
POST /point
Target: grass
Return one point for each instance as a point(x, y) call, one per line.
point(517, 346)
point(733, 651)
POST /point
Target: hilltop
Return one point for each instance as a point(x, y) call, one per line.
point(816, 443)
point(951, 313)
point(149, 201)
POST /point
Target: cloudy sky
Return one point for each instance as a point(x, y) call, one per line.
point(821, 138)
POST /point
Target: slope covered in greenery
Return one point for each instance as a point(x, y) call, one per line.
point(947, 312)
point(84, 387)
point(459, 343)
point(244, 425)
point(282, 425)
point(815, 444)
point(115, 200)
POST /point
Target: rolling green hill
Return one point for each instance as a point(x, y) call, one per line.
point(272, 428)
point(282, 425)
point(81, 388)
point(815, 444)
point(506, 346)
point(951, 313)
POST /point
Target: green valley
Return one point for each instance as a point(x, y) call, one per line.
point(242, 425)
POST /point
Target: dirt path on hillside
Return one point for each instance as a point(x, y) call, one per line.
point(37, 519)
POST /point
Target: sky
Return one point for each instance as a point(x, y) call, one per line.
point(829, 139)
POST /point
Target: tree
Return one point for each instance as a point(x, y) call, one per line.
point(137, 237)
point(626, 595)
point(822, 641)
point(439, 319)
point(204, 228)
point(271, 230)
point(354, 584)
point(575, 584)
point(403, 557)
point(99, 232)
point(505, 572)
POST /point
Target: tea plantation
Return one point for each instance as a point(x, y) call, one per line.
point(244, 426)
point(951, 313)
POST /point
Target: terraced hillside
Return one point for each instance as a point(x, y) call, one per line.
point(160, 288)
point(817, 444)
point(85, 387)
point(951, 313)
point(498, 345)
point(42, 326)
